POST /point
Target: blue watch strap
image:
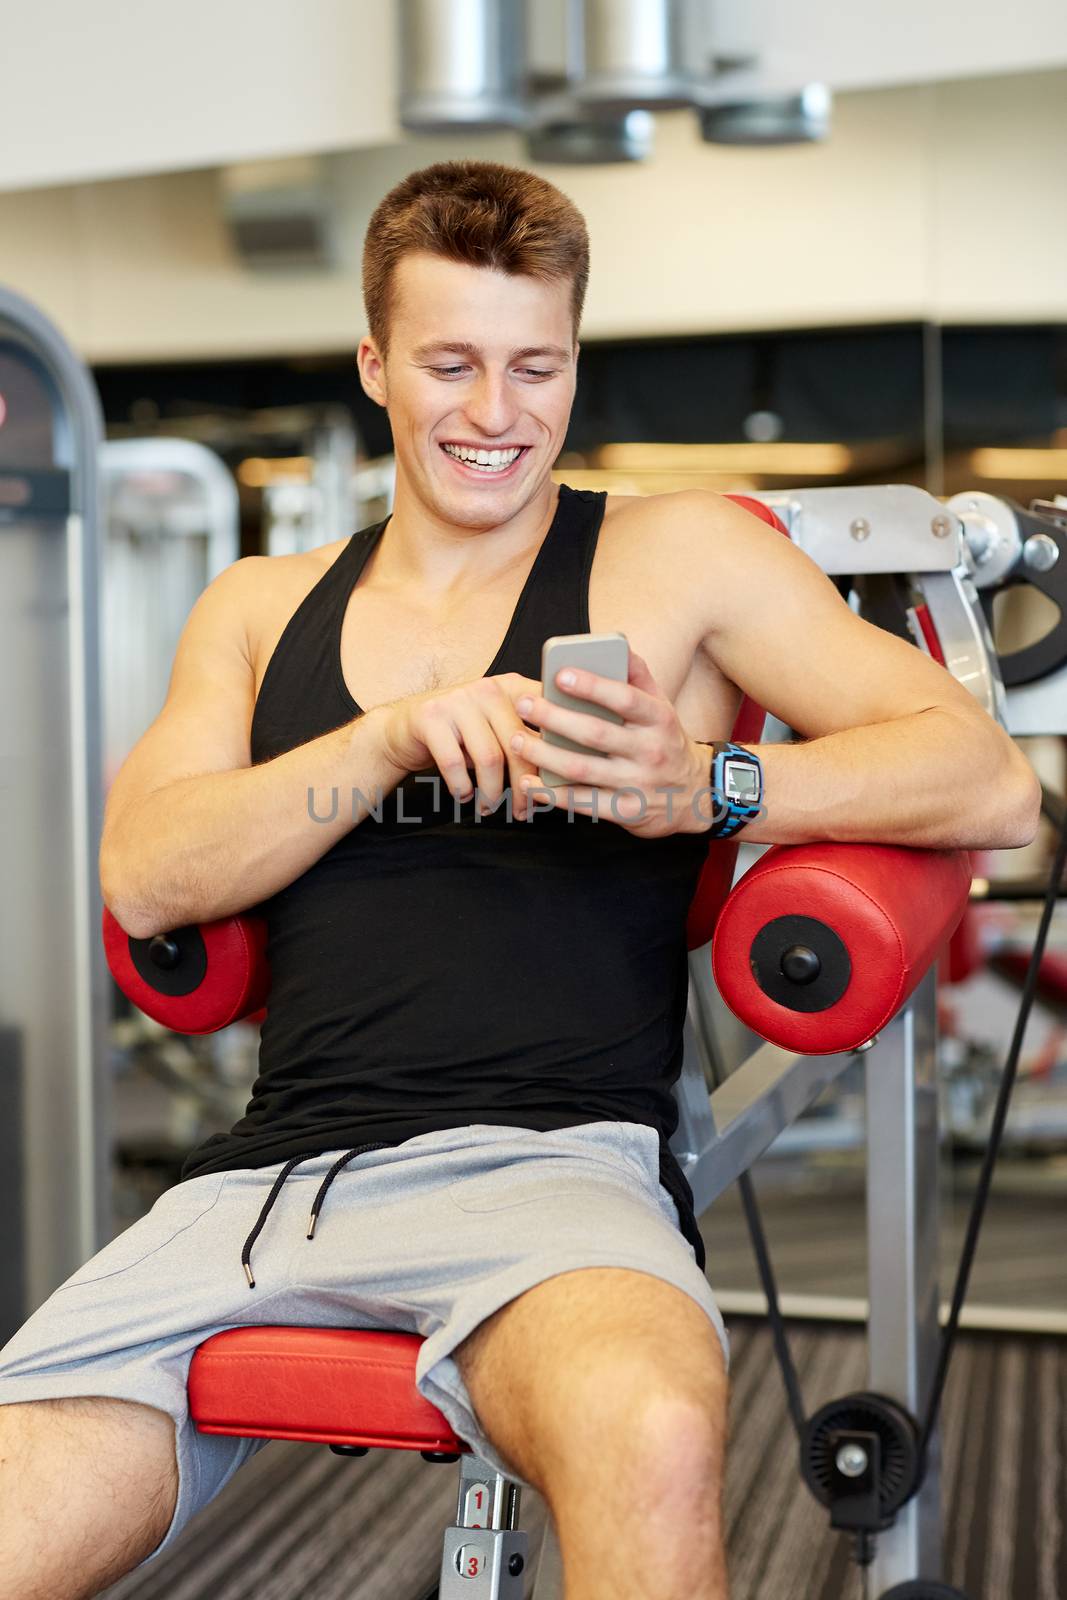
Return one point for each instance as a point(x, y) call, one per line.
point(730, 814)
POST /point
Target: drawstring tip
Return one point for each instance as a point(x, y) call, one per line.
point(314, 1217)
point(248, 1275)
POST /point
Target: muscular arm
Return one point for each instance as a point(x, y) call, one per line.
point(192, 831)
point(892, 748)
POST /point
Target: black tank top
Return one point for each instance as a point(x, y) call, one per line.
point(436, 968)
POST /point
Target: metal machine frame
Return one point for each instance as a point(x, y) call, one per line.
point(53, 980)
point(894, 531)
point(719, 1137)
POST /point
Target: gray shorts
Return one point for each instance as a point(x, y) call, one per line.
point(430, 1237)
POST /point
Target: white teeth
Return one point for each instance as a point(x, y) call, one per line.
point(483, 460)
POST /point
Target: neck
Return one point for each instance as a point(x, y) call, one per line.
point(422, 549)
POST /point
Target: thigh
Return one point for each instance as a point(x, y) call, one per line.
point(107, 1354)
point(112, 1467)
point(562, 1285)
point(554, 1371)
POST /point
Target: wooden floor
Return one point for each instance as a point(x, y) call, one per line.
point(299, 1523)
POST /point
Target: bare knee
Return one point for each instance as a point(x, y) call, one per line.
point(621, 1427)
point(598, 1366)
point(668, 1427)
point(112, 1467)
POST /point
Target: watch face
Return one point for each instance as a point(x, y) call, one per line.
point(742, 782)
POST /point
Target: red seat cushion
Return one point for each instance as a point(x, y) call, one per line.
point(324, 1385)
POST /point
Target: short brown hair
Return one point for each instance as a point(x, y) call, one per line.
point(477, 212)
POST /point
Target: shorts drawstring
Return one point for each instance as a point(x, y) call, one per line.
point(246, 1253)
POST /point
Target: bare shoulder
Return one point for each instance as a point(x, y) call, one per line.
point(683, 514)
point(710, 565)
point(264, 576)
point(699, 534)
point(268, 589)
point(676, 538)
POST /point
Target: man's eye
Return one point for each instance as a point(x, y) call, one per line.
point(538, 372)
point(447, 372)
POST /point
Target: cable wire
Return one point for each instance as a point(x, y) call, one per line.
point(974, 1223)
point(757, 1234)
point(770, 1288)
point(989, 1160)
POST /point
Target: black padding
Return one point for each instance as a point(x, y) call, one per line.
point(173, 963)
point(800, 963)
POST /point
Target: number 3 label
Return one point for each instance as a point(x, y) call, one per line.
point(469, 1561)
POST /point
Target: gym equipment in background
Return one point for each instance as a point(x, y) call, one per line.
point(171, 525)
point(53, 982)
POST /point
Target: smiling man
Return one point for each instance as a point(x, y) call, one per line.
point(476, 1014)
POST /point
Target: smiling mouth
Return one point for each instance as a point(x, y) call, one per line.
point(485, 463)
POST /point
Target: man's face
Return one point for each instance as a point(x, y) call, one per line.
point(479, 362)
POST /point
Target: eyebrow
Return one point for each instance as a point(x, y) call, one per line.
point(464, 348)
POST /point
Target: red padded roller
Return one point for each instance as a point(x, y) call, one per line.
point(324, 1385)
point(196, 979)
point(819, 945)
point(714, 882)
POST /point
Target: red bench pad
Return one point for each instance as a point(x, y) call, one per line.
point(323, 1385)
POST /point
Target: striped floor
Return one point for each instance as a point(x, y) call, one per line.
point(299, 1523)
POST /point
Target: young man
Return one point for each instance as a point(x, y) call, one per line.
point(475, 1016)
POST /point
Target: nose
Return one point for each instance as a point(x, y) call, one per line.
point(491, 406)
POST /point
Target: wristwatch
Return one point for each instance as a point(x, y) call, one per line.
point(736, 788)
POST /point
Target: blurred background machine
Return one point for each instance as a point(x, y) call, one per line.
point(54, 1078)
point(171, 525)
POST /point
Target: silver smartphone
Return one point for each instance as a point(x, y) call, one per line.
point(607, 654)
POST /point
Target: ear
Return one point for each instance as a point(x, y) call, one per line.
point(371, 370)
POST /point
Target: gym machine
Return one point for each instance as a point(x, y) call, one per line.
point(54, 1171)
point(171, 523)
point(828, 952)
point(929, 571)
point(924, 568)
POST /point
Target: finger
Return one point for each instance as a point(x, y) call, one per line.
point(505, 724)
point(483, 748)
point(574, 765)
point(498, 708)
point(609, 738)
point(538, 796)
point(632, 703)
point(441, 739)
point(641, 677)
point(516, 687)
point(582, 800)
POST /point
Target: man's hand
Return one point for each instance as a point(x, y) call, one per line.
point(469, 725)
point(652, 778)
